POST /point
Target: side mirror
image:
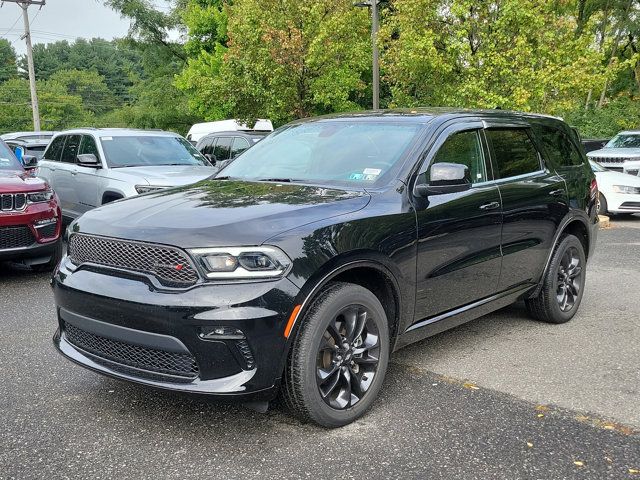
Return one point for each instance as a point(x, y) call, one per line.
point(211, 157)
point(30, 162)
point(445, 178)
point(88, 160)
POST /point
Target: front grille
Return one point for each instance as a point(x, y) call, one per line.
point(610, 160)
point(12, 201)
point(16, 237)
point(135, 356)
point(169, 265)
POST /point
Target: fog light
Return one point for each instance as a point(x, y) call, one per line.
point(221, 333)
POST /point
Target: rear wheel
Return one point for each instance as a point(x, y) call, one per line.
point(563, 286)
point(339, 357)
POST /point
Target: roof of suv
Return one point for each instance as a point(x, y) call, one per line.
point(118, 132)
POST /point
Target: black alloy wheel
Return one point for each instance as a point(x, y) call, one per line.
point(563, 283)
point(338, 356)
point(569, 279)
point(348, 357)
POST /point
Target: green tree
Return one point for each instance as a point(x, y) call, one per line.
point(284, 59)
point(8, 65)
point(89, 86)
point(58, 109)
point(517, 54)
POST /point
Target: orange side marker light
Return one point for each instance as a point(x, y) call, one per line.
point(292, 320)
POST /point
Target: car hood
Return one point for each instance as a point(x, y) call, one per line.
point(17, 181)
point(615, 153)
point(163, 175)
point(216, 213)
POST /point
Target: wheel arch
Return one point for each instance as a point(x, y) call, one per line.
point(575, 225)
point(371, 270)
point(111, 196)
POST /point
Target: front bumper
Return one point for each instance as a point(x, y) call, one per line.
point(43, 222)
point(623, 203)
point(121, 325)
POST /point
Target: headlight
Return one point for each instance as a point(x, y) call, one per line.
point(625, 189)
point(148, 188)
point(39, 197)
point(242, 262)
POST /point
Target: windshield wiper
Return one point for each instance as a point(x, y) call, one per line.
point(283, 180)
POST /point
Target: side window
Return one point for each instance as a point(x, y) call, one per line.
point(55, 149)
point(222, 150)
point(239, 145)
point(88, 145)
point(208, 146)
point(560, 151)
point(464, 148)
point(514, 152)
point(70, 150)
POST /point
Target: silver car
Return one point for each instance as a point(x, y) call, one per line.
point(621, 153)
point(92, 166)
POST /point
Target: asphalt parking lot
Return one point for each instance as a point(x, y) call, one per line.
point(500, 397)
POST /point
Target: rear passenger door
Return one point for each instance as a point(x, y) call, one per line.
point(50, 160)
point(534, 203)
point(64, 176)
point(87, 179)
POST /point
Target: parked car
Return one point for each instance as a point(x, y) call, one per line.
point(331, 243)
point(30, 218)
point(42, 135)
point(91, 167)
point(592, 144)
point(220, 148)
point(621, 153)
point(199, 130)
point(33, 147)
point(618, 193)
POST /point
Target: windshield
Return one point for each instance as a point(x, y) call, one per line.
point(344, 153)
point(624, 140)
point(596, 167)
point(147, 150)
point(8, 160)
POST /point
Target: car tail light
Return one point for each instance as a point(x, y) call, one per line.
point(594, 188)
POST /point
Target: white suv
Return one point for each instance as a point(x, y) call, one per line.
point(621, 153)
point(90, 167)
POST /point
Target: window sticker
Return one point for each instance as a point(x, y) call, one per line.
point(372, 171)
point(106, 138)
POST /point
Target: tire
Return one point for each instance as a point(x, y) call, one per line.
point(602, 205)
point(314, 354)
point(56, 256)
point(563, 284)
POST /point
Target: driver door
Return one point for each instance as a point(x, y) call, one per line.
point(88, 178)
point(459, 234)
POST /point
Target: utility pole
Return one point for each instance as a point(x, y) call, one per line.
point(374, 43)
point(24, 5)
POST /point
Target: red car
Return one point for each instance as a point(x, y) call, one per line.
point(30, 217)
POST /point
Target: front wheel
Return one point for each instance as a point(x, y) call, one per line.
point(339, 357)
point(602, 205)
point(563, 284)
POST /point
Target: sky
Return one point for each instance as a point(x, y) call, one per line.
point(63, 20)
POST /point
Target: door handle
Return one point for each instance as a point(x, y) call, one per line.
point(557, 193)
point(490, 206)
point(73, 172)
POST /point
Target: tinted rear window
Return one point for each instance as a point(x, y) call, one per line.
point(514, 152)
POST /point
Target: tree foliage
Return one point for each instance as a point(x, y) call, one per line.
point(8, 65)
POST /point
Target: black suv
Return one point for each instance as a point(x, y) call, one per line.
point(222, 147)
point(303, 264)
